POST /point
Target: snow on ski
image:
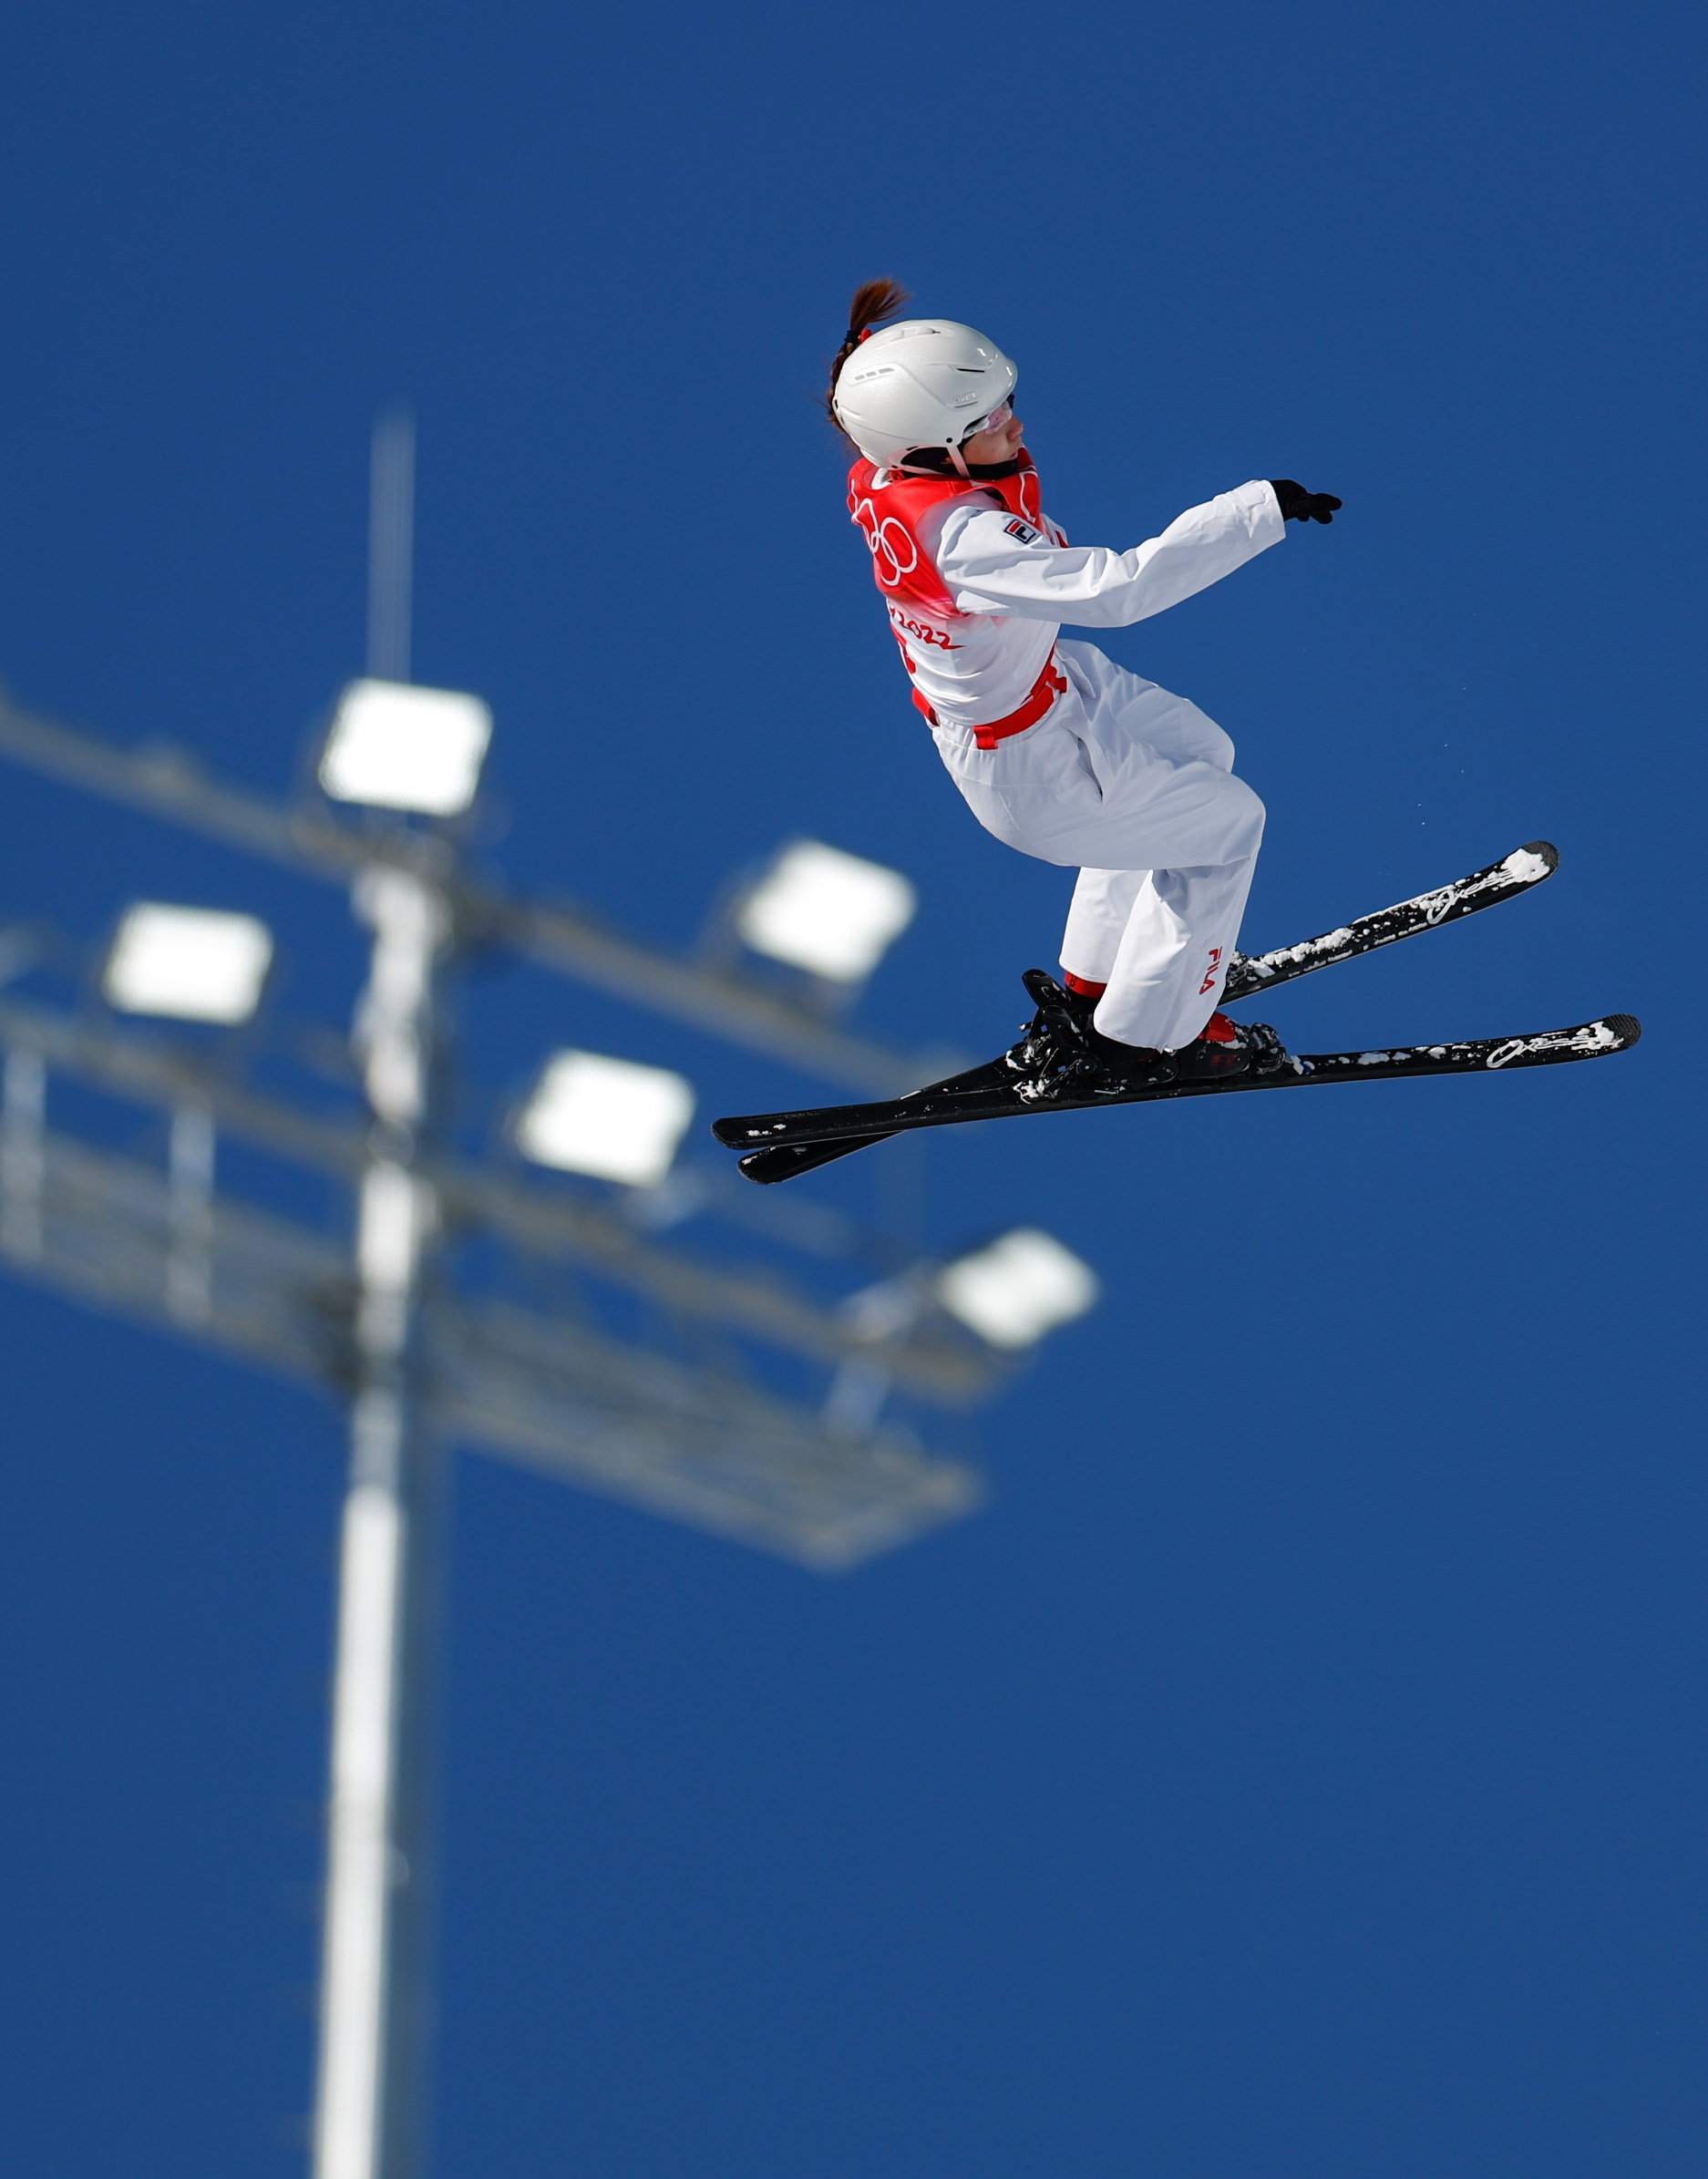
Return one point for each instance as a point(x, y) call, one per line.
point(1516, 873)
point(951, 1104)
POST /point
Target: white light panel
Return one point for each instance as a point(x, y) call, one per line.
point(1020, 1287)
point(605, 1117)
point(196, 964)
point(828, 912)
point(396, 747)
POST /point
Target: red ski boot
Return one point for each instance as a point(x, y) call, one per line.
point(1216, 1050)
point(1227, 1047)
point(1063, 1055)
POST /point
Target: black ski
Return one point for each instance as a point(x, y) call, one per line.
point(1516, 873)
point(951, 1104)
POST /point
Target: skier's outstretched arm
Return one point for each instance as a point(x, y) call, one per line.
point(992, 564)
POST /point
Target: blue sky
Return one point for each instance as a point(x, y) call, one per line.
point(1296, 1769)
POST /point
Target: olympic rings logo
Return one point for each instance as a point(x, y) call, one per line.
point(881, 538)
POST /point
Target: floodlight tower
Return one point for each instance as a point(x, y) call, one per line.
point(391, 747)
point(706, 1445)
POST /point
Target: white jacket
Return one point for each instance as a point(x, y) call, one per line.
point(1017, 589)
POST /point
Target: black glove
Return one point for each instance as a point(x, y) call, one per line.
point(1297, 505)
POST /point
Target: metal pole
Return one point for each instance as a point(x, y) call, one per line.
point(390, 548)
point(189, 1258)
point(374, 1973)
point(23, 1166)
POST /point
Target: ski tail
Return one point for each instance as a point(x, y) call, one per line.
point(749, 1131)
point(783, 1161)
point(786, 1160)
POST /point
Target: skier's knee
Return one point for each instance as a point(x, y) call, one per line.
point(1246, 814)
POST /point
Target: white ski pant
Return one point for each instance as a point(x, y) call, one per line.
point(1135, 786)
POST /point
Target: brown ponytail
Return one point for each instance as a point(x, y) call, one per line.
point(879, 299)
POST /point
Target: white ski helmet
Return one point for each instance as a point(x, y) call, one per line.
point(926, 381)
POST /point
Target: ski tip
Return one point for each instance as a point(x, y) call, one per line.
point(1546, 852)
point(1626, 1027)
point(739, 1133)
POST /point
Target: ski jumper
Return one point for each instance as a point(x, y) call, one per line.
point(1057, 750)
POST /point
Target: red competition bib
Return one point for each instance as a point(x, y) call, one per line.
point(889, 513)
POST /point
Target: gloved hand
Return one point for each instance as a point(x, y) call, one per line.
point(1297, 505)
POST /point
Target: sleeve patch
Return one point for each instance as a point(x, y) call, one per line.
point(1022, 530)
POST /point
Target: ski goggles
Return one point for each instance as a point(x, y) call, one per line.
point(998, 416)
